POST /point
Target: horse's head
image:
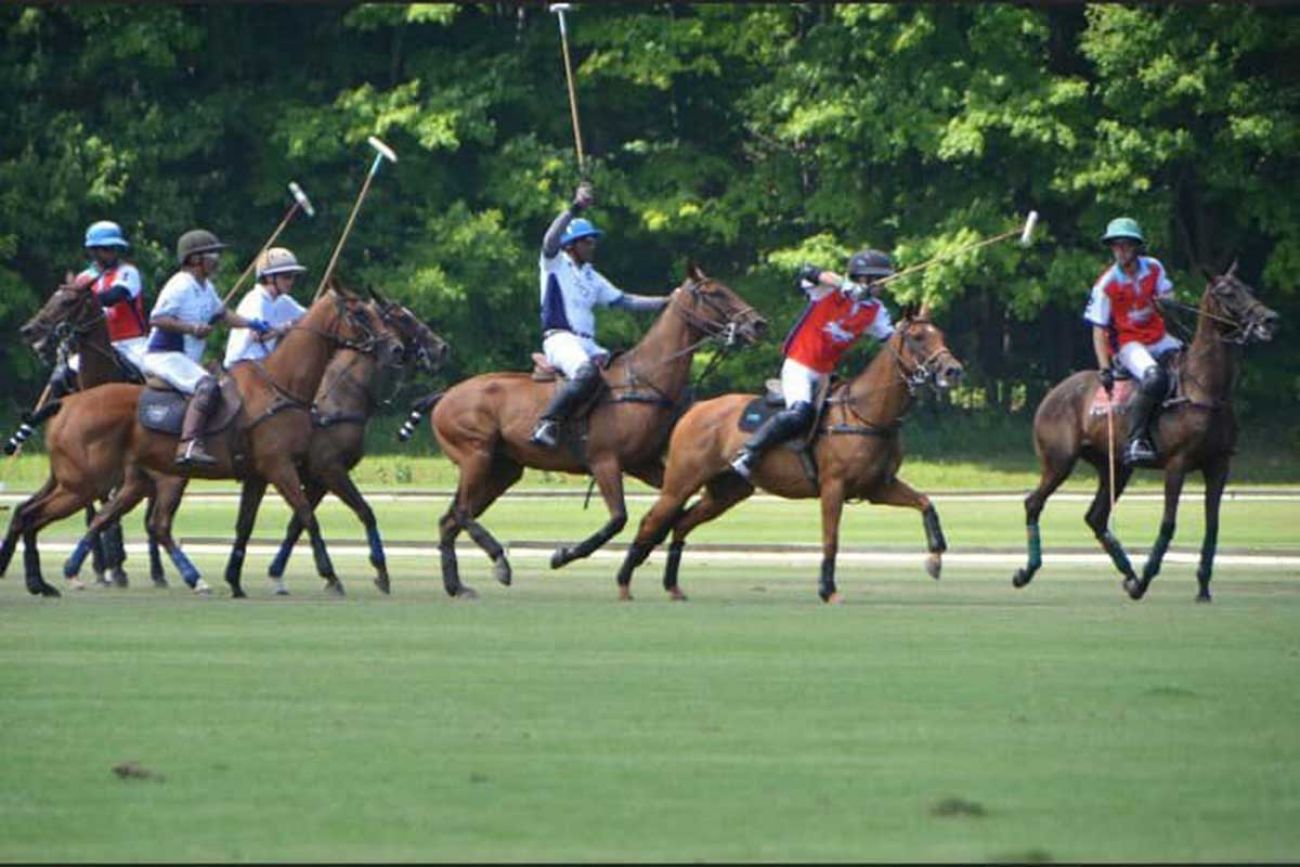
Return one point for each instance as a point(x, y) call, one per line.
point(715, 309)
point(70, 308)
point(923, 354)
point(421, 344)
point(358, 323)
point(1245, 318)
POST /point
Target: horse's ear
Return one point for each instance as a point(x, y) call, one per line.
point(68, 277)
point(924, 312)
point(694, 271)
point(1232, 269)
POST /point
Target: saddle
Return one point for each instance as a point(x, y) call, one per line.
point(1125, 387)
point(772, 401)
point(162, 407)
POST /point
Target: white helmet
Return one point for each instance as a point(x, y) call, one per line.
point(278, 260)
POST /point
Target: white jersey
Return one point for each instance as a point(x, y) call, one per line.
point(243, 344)
point(570, 292)
point(188, 300)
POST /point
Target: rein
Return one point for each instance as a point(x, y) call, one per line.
point(919, 376)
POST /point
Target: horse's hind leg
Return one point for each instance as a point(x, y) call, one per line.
point(1173, 488)
point(156, 573)
point(134, 488)
point(341, 485)
point(505, 473)
point(720, 494)
point(115, 554)
point(315, 493)
point(1056, 468)
point(162, 512)
point(54, 506)
point(98, 558)
point(250, 498)
point(10, 544)
point(1098, 518)
point(608, 473)
point(1216, 477)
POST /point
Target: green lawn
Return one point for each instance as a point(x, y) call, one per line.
point(951, 721)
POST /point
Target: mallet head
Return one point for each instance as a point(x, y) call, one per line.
point(301, 198)
point(384, 150)
point(1026, 236)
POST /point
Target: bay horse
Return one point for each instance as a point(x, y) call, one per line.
point(341, 410)
point(95, 433)
point(1196, 431)
point(72, 321)
point(857, 455)
point(483, 423)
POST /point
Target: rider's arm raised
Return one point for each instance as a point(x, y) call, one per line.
point(582, 199)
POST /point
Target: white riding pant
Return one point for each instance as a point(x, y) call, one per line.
point(568, 351)
point(1138, 358)
point(176, 368)
point(131, 349)
point(799, 382)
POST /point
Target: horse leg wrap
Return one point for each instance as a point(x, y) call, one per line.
point(281, 561)
point(636, 555)
point(1117, 554)
point(155, 564)
point(78, 556)
point(450, 568)
point(114, 545)
point(672, 564)
point(482, 538)
point(376, 547)
point(933, 532)
point(1035, 548)
point(826, 584)
point(189, 574)
point(235, 566)
point(1157, 555)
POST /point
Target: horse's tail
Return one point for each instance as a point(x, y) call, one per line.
point(418, 409)
point(31, 421)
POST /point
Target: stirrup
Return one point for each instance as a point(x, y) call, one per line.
point(1138, 453)
point(545, 434)
point(742, 464)
point(194, 453)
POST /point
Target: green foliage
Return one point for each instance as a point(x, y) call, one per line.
point(749, 137)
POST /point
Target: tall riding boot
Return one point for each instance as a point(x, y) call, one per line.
point(190, 450)
point(1139, 450)
point(785, 425)
point(568, 397)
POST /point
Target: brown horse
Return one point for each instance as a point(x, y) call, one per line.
point(1197, 430)
point(483, 424)
point(95, 433)
point(342, 409)
point(72, 321)
point(857, 456)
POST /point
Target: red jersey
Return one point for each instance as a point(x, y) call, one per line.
point(125, 319)
point(1129, 303)
point(829, 325)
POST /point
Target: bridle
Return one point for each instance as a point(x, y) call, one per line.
point(923, 372)
point(1240, 326)
point(69, 336)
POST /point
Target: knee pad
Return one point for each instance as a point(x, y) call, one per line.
point(1154, 381)
point(803, 411)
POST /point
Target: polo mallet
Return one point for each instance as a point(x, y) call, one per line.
point(1110, 455)
point(1026, 234)
point(382, 152)
point(559, 9)
point(300, 203)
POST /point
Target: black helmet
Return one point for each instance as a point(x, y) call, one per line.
point(870, 263)
point(197, 241)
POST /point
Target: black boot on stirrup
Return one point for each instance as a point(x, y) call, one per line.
point(568, 397)
point(786, 424)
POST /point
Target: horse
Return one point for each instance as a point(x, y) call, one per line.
point(72, 321)
point(1197, 430)
point(92, 434)
point(483, 423)
point(342, 408)
point(856, 451)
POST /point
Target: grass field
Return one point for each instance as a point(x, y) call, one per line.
point(952, 721)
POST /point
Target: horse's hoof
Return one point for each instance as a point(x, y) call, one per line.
point(75, 583)
point(934, 565)
point(833, 598)
point(121, 580)
point(561, 556)
point(676, 595)
point(101, 580)
point(1204, 597)
point(502, 572)
point(235, 592)
point(1135, 589)
point(381, 582)
point(466, 594)
point(1021, 578)
point(43, 589)
point(160, 582)
point(335, 588)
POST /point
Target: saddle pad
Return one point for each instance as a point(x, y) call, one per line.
point(163, 410)
point(543, 372)
point(1118, 401)
point(759, 410)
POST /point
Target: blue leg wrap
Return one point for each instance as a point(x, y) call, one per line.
point(78, 556)
point(189, 574)
point(376, 547)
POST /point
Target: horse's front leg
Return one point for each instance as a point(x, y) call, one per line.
point(1173, 488)
point(250, 499)
point(897, 492)
point(609, 478)
point(1216, 477)
point(284, 477)
point(832, 497)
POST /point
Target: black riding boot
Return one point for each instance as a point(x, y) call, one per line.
point(785, 425)
point(568, 397)
point(1139, 450)
point(190, 449)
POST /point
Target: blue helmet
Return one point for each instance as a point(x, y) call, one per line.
point(105, 233)
point(579, 229)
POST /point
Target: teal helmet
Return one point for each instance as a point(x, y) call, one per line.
point(1123, 227)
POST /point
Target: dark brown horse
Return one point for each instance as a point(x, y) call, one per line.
point(483, 424)
point(1196, 431)
point(857, 456)
point(93, 434)
point(72, 321)
point(342, 409)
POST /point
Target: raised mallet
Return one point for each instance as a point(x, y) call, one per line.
point(1026, 234)
point(382, 152)
point(300, 203)
point(559, 9)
